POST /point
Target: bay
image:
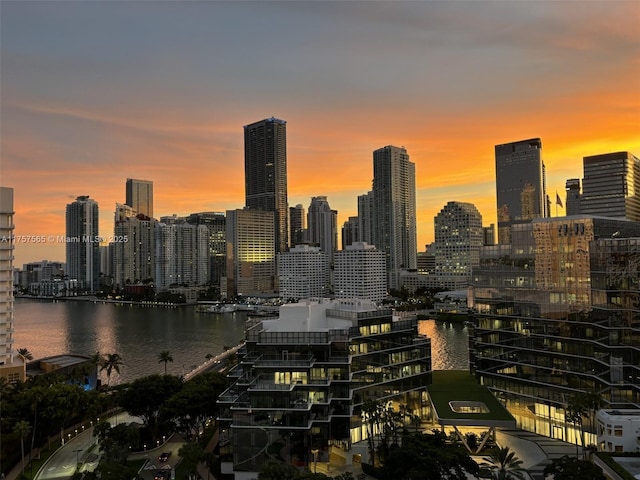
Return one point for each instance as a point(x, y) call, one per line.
point(140, 333)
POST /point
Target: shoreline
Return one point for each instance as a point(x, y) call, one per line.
point(94, 299)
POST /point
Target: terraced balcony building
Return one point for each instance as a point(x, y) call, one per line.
point(302, 380)
point(564, 321)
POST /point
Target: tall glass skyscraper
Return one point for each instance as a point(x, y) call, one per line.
point(265, 173)
point(520, 185)
point(394, 207)
point(83, 243)
point(139, 196)
point(611, 186)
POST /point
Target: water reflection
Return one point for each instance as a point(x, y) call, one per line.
point(449, 344)
point(138, 334)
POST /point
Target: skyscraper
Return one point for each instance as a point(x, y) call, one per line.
point(611, 186)
point(297, 225)
point(394, 201)
point(139, 196)
point(134, 252)
point(12, 366)
point(323, 226)
point(520, 185)
point(458, 239)
point(265, 170)
point(573, 200)
point(251, 256)
point(83, 243)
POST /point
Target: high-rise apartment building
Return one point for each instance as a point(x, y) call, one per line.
point(611, 186)
point(182, 253)
point(251, 255)
point(297, 225)
point(573, 198)
point(322, 225)
point(394, 201)
point(265, 173)
point(520, 185)
point(12, 365)
point(216, 224)
point(302, 380)
point(350, 232)
point(139, 196)
point(458, 239)
point(83, 243)
point(360, 272)
point(303, 272)
point(133, 247)
point(558, 320)
point(366, 220)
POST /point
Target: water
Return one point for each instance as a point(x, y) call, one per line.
point(138, 334)
point(449, 344)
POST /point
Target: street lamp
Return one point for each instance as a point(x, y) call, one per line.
point(315, 460)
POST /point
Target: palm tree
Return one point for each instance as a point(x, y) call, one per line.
point(111, 361)
point(22, 428)
point(25, 353)
point(165, 356)
point(505, 465)
point(573, 414)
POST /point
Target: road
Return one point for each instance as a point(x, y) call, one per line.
point(81, 449)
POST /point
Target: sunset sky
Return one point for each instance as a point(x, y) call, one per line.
point(95, 92)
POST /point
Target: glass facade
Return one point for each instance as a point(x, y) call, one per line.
point(300, 390)
point(563, 322)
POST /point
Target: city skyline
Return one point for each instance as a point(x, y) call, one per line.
point(161, 91)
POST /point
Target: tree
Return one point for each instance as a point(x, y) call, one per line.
point(569, 468)
point(25, 353)
point(191, 453)
point(573, 414)
point(22, 429)
point(144, 397)
point(191, 407)
point(278, 471)
point(165, 356)
point(505, 465)
point(424, 456)
point(111, 362)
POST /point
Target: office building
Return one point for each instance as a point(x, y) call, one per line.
point(458, 239)
point(297, 224)
point(394, 201)
point(303, 272)
point(134, 248)
point(302, 381)
point(216, 225)
point(573, 198)
point(611, 186)
point(182, 253)
point(489, 235)
point(83, 243)
point(360, 272)
point(251, 255)
point(559, 320)
point(265, 170)
point(12, 365)
point(322, 225)
point(520, 185)
point(139, 196)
